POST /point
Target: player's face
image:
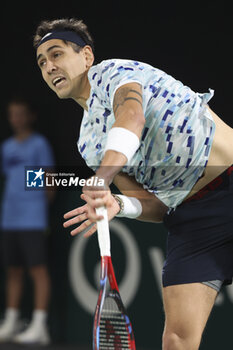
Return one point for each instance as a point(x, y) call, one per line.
point(62, 68)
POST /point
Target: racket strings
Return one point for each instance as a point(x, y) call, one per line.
point(114, 329)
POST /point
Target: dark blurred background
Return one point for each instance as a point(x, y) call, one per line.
point(189, 40)
point(192, 41)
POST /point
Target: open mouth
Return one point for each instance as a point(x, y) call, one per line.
point(58, 81)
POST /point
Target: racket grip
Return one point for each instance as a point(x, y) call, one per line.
point(103, 232)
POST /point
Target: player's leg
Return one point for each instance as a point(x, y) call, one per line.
point(200, 235)
point(187, 309)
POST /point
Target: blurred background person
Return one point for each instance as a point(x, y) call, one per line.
point(24, 219)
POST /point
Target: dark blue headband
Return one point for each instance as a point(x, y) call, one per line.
point(63, 35)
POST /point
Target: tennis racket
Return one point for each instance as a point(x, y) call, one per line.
point(112, 327)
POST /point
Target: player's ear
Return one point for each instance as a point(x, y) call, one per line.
point(89, 56)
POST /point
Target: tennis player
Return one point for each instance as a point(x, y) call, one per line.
point(167, 152)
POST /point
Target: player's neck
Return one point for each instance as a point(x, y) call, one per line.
point(84, 92)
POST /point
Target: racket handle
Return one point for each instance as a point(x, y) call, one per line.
point(103, 232)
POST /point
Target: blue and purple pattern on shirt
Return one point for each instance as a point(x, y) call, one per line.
point(177, 136)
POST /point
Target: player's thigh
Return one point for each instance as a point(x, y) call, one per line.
point(187, 308)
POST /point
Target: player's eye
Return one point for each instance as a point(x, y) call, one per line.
point(42, 63)
point(57, 54)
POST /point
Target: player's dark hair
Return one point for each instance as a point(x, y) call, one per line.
point(71, 24)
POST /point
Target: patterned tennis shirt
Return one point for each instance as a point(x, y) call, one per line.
point(177, 136)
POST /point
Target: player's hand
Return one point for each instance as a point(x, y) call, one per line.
point(79, 216)
point(96, 194)
point(87, 223)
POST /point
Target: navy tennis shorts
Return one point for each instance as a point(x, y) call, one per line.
point(24, 248)
point(200, 238)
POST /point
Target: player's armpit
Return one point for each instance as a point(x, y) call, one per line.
point(153, 210)
point(128, 109)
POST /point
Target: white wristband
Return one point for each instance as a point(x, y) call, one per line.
point(122, 140)
point(130, 206)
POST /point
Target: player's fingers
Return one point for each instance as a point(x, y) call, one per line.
point(86, 198)
point(75, 220)
point(91, 231)
point(91, 201)
point(83, 197)
point(102, 202)
point(93, 215)
point(75, 212)
point(83, 228)
point(75, 231)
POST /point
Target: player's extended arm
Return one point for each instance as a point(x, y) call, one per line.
point(153, 209)
point(127, 108)
point(123, 140)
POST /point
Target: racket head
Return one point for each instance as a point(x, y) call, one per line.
point(112, 327)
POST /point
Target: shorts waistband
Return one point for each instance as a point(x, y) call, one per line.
point(213, 185)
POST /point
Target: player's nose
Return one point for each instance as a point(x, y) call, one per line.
point(50, 67)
